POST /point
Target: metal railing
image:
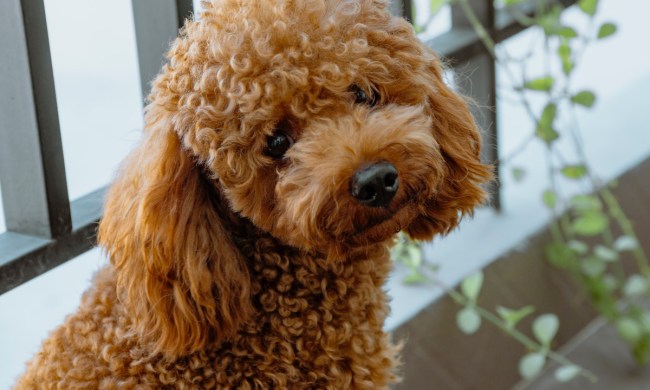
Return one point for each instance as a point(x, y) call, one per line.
point(45, 228)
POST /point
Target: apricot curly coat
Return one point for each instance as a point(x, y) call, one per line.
point(234, 268)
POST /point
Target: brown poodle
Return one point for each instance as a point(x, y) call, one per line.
point(286, 143)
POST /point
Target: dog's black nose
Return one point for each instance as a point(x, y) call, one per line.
point(375, 185)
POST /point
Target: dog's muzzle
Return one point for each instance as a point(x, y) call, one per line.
point(375, 185)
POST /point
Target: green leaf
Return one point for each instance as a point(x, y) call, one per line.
point(564, 51)
point(509, 3)
point(468, 320)
point(593, 267)
point(531, 365)
point(567, 66)
point(567, 32)
point(407, 252)
point(629, 330)
point(625, 243)
point(540, 84)
point(610, 282)
point(549, 198)
point(578, 247)
point(414, 278)
point(566, 373)
point(605, 254)
point(547, 134)
point(414, 256)
point(588, 6)
point(545, 129)
point(583, 203)
point(645, 321)
point(584, 98)
point(550, 20)
point(398, 250)
point(634, 311)
point(635, 285)
point(548, 115)
point(601, 296)
point(471, 286)
point(590, 224)
point(545, 328)
point(435, 5)
point(518, 174)
point(574, 171)
point(560, 255)
point(512, 317)
point(606, 30)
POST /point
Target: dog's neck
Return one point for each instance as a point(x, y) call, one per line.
point(253, 242)
point(287, 283)
point(248, 238)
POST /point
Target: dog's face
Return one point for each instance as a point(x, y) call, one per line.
point(324, 123)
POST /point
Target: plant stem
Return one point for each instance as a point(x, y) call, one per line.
point(490, 46)
point(529, 343)
point(627, 228)
point(488, 42)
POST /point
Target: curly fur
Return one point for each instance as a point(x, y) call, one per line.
point(231, 269)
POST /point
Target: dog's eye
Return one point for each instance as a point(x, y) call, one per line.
point(361, 97)
point(278, 144)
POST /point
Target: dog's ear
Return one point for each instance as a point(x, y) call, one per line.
point(177, 270)
point(458, 137)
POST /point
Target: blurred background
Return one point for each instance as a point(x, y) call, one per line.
point(71, 99)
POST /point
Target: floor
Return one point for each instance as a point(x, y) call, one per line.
point(599, 349)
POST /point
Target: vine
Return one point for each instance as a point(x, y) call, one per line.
point(591, 234)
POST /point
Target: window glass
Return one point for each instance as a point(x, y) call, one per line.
point(430, 25)
point(97, 87)
point(3, 226)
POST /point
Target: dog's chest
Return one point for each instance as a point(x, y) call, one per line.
point(315, 325)
point(313, 328)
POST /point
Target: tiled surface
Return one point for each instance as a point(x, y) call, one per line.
point(600, 350)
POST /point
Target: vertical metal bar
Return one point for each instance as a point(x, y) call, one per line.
point(400, 8)
point(156, 24)
point(32, 170)
point(407, 10)
point(184, 10)
point(478, 80)
point(483, 9)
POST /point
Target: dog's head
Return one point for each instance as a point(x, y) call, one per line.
point(325, 124)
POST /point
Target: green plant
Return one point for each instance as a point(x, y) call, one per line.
point(592, 237)
point(471, 315)
point(544, 329)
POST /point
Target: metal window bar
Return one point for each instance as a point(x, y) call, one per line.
point(156, 25)
point(45, 229)
point(479, 81)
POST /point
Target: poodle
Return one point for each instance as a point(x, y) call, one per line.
point(286, 143)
